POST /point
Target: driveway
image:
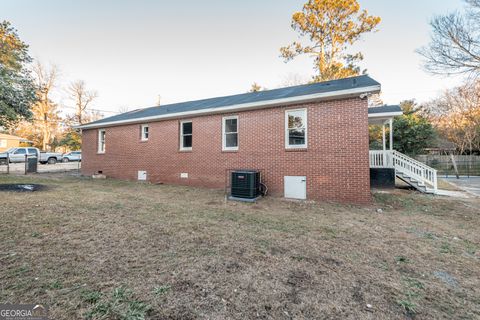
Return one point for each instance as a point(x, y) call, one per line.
point(471, 185)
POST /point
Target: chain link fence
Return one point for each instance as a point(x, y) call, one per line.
point(28, 165)
point(31, 165)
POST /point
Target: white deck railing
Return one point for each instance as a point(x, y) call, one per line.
point(381, 159)
point(410, 167)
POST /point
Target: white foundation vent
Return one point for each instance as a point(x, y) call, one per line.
point(142, 175)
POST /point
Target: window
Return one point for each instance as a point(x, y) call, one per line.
point(101, 141)
point(20, 151)
point(230, 133)
point(3, 143)
point(296, 128)
point(144, 132)
point(32, 151)
point(186, 131)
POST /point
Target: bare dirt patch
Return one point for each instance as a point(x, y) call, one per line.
point(121, 250)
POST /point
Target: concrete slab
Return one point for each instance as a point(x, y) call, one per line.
point(454, 194)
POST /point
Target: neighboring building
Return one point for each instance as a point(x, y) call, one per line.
point(308, 141)
point(8, 141)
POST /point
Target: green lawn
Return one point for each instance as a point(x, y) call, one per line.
point(106, 249)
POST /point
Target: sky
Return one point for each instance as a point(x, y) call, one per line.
point(132, 52)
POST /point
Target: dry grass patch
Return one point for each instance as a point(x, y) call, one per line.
point(445, 185)
point(122, 250)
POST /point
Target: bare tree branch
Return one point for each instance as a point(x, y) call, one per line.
point(456, 114)
point(82, 98)
point(455, 43)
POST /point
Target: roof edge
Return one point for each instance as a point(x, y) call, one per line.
point(385, 114)
point(243, 107)
point(385, 111)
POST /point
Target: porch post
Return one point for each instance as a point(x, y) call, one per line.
point(384, 146)
point(391, 134)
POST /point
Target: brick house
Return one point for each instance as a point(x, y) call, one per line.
point(315, 135)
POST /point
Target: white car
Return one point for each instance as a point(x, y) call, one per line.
point(72, 156)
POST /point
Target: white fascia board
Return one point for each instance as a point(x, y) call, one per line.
point(385, 114)
point(243, 107)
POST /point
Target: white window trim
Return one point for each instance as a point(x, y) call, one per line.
point(142, 132)
point(99, 141)
point(224, 136)
point(296, 146)
point(182, 148)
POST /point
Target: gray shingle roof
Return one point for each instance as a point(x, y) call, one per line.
point(384, 109)
point(254, 97)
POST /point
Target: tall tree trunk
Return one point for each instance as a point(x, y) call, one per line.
point(454, 165)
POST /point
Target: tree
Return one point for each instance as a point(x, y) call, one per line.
point(71, 139)
point(413, 131)
point(455, 43)
point(82, 99)
point(17, 89)
point(375, 136)
point(375, 100)
point(46, 115)
point(46, 121)
point(456, 115)
point(331, 26)
point(293, 79)
point(255, 87)
point(124, 109)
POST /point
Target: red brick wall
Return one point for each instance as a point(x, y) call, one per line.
point(336, 161)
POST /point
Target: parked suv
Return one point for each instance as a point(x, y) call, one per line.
point(72, 156)
point(18, 155)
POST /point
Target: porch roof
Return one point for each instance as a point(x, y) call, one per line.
point(382, 114)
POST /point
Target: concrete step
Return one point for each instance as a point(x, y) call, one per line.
point(429, 190)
